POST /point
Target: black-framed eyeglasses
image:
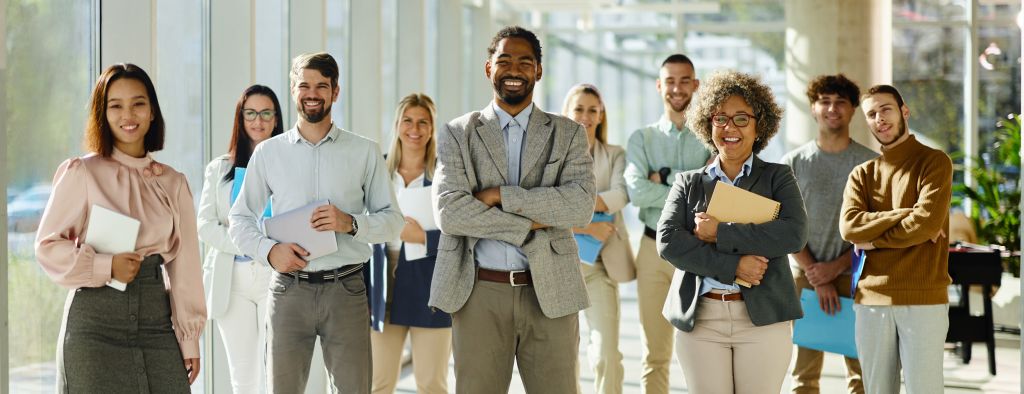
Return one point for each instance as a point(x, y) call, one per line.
point(250, 114)
point(740, 120)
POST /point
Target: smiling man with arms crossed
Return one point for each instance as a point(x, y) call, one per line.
point(895, 207)
point(511, 183)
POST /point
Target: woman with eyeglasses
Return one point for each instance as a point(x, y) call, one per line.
point(132, 319)
point(411, 165)
point(236, 287)
point(614, 261)
point(732, 338)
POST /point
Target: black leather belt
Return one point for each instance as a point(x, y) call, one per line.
point(650, 232)
point(328, 275)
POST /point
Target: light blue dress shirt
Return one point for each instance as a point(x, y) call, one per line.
point(490, 253)
point(715, 170)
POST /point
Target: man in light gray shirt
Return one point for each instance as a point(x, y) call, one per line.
point(822, 167)
point(324, 297)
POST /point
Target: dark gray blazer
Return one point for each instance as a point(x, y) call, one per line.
point(775, 299)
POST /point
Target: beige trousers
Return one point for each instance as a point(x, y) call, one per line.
point(653, 277)
point(431, 349)
point(501, 325)
point(603, 321)
point(726, 353)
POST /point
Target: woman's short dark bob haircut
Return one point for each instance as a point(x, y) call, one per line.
point(98, 136)
point(715, 90)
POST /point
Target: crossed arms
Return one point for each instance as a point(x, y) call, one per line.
point(898, 227)
point(509, 213)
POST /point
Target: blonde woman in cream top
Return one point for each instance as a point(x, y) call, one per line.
point(145, 338)
point(614, 264)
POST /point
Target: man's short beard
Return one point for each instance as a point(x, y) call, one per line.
point(685, 105)
point(314, 117)
point(512, 99)
point(903, 131)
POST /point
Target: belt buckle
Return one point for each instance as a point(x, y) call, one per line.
point(512, 278)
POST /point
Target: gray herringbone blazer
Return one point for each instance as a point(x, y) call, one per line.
point(556, 188)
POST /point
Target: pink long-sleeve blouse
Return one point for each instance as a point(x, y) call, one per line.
point(159, 198)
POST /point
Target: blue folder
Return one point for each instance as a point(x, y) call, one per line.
point(589, 246)
point(819, 331)
point(236, 187)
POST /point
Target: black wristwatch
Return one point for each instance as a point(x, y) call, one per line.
point(665, 172)
point(355, 227)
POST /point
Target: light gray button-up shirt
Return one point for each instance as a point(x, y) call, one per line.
point(344, 168)
point(493, 254)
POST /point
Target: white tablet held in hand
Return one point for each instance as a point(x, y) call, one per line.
point(293, 226)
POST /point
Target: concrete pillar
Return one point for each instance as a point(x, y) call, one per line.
point(853, 38)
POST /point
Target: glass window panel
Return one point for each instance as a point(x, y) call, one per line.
point(740, 11)
point(270, 59)
point(46, 81)
point(179, 57)
point(929, 10)
point(998, 78)
point(336, 18)
point(928, 71)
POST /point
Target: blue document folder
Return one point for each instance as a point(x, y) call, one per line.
point(858, 259)
point(236, 187)
point(589, 246)
point(817, 330)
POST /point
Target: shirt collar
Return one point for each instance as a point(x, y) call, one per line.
point(294, 136)
point(715, 169)
point(666, 126)
point(504, 117)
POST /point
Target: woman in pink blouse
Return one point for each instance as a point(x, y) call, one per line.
point(144, 338)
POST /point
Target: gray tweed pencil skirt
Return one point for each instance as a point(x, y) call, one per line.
point(121, 342)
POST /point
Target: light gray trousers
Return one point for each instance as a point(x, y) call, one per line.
point(908, 336)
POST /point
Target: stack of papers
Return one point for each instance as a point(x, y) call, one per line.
point(415, 203)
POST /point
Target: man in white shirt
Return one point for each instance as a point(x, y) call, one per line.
point(324, 297)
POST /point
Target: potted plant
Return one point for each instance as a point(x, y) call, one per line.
point(995, 208)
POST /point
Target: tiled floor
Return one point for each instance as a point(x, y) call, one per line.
point(960, 378)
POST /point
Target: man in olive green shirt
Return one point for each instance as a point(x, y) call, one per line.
point(653, 156)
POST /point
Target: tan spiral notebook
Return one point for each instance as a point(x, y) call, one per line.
point(730, 204)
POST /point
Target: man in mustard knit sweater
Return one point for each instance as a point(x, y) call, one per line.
point(895, 208)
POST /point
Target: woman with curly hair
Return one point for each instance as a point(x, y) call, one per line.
point(732, 338)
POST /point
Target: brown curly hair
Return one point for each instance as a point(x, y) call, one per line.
point(721, 85)
point(833, 84)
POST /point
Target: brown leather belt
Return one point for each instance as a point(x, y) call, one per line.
point(514, 278)
point(724, 297)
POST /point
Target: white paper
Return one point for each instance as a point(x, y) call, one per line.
point(415, 203)
point(110, 232)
